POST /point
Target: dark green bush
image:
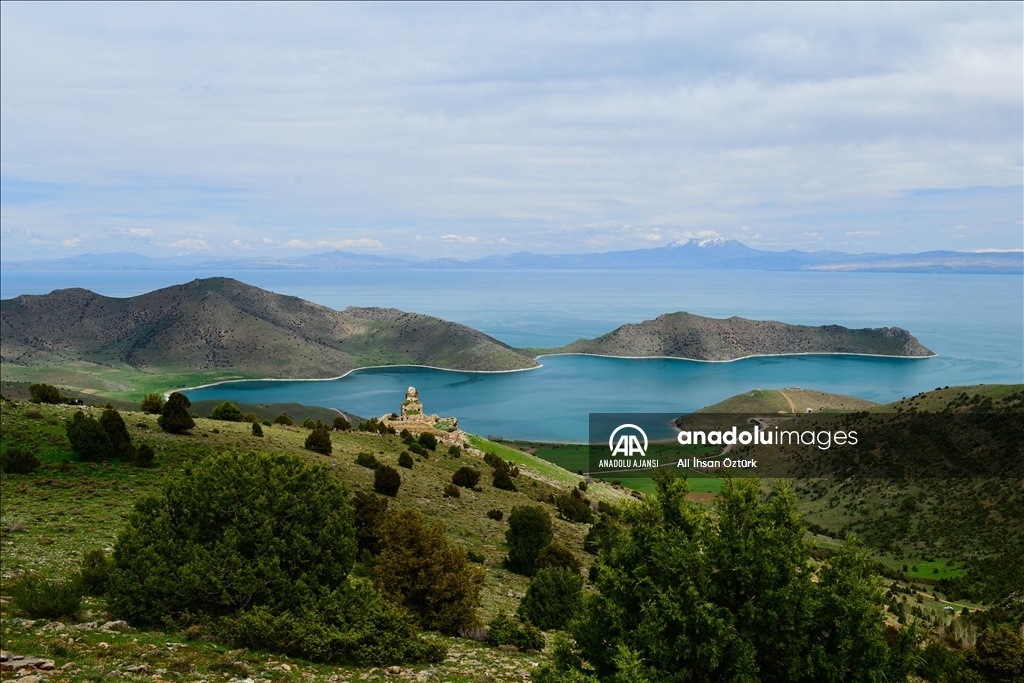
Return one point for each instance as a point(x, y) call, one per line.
point(529, 532)
point(226, 411)
point(117, 432)
point(557, 556)
point(341, 424)
point(452, 491)
point(602, 535)
point(353, 625)
point(574, 508)
point(423, 570)
point(319, 441)
point(405, 435)
point(496, 515)
point(17, 461)
point(251, 418)
point(997, 657)
point(386, 481)
point(506, 630)
point(475, 557)
point(466, 477)
point(308, 423)
point(88, 438)
point(553, 598)
point(503, 481)
point(257, 429)
point(368, 460)
point(144, 455)
point(405, 460)
point(283, 419)
point(370, 510)
point(428, 441)
point(417, 449)
point(152, 404)
point(94, 571)
point(45, 393)
point(39, 598)
point(235, 531)
point(455, 451)
point(174, 417)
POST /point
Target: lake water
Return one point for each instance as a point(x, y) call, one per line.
point(975, 323)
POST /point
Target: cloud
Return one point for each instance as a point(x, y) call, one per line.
point(240, 244)
point(744, 228)
point(505, 241)
point(141, 232)
point(296, 244)
point(451, 237)
point(361, 243)
point(188, 244)
point(71, 243)
point(864, 233)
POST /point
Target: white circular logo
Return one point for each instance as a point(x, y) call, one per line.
point(627, 445)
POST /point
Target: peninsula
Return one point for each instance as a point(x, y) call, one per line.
point(694, 337)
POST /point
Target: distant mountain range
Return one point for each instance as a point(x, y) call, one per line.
point(717, 254)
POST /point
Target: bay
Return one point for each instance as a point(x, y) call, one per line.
point(975, 323)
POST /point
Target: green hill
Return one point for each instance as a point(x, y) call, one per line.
point(218, 328)
point(684, 335)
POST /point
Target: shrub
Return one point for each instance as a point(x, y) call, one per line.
point(496, 515)
point(472, 556)
point(503, 481)
point(251, 418)
point(405, 434)
point(257, 429)
point(319, 440)
point(354, 625)
point(117, 432)
point(370, 510)
point(428, 441)
point(174, 417)
point(341, 424)
point(368, 460)
point(601, 535)
point(17, 461)
point(386, 480)
point(553, 598)
point(427, 573)
point(417, 449)
point(505, 630)
point(226, 411)
point(308, 423)
point(283, 419)
point(234, 530)
point(455, 451)
point(88, 438)
point(144, 455)
point(44, 393)
point(39, 598)
point(405, 460)
point(557, 556)
point(94, 572)
point(152, 404)
point(452, 491)
point(466, 477)
point(529, 531)
point(998, 656)
point(574, 508)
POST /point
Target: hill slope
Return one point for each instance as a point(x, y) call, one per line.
point(218, 324)
point(684, 335)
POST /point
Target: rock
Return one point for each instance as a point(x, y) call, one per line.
point(119, 626)
point(426, 676)
point(87, 626)
point(31, 679)
point(4, 655)
point(18, 663)
point(52, 626)
point(27, 623)
point(137, 669)
point(397, 670)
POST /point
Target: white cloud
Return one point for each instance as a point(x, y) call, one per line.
point(361, 243)
point(240, 244)
point(296, 244)
point(71, 243)
point(188, 244)
point(864, 233)
point(141, 232)
point(744, 228)
point(451, 237)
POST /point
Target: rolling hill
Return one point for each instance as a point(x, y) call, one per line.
point(210, 326)
point(684, 335)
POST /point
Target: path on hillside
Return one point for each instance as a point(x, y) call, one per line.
point(792, 406)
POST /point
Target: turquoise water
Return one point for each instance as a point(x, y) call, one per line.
point(975, 323)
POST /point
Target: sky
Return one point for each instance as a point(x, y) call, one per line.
point(462, 130)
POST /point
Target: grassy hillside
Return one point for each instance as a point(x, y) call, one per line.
point(217, 329)
point(791, 401)
point(684, 335)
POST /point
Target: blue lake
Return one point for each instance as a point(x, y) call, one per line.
point(975, 323)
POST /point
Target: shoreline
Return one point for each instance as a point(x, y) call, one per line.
point(537, 367)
